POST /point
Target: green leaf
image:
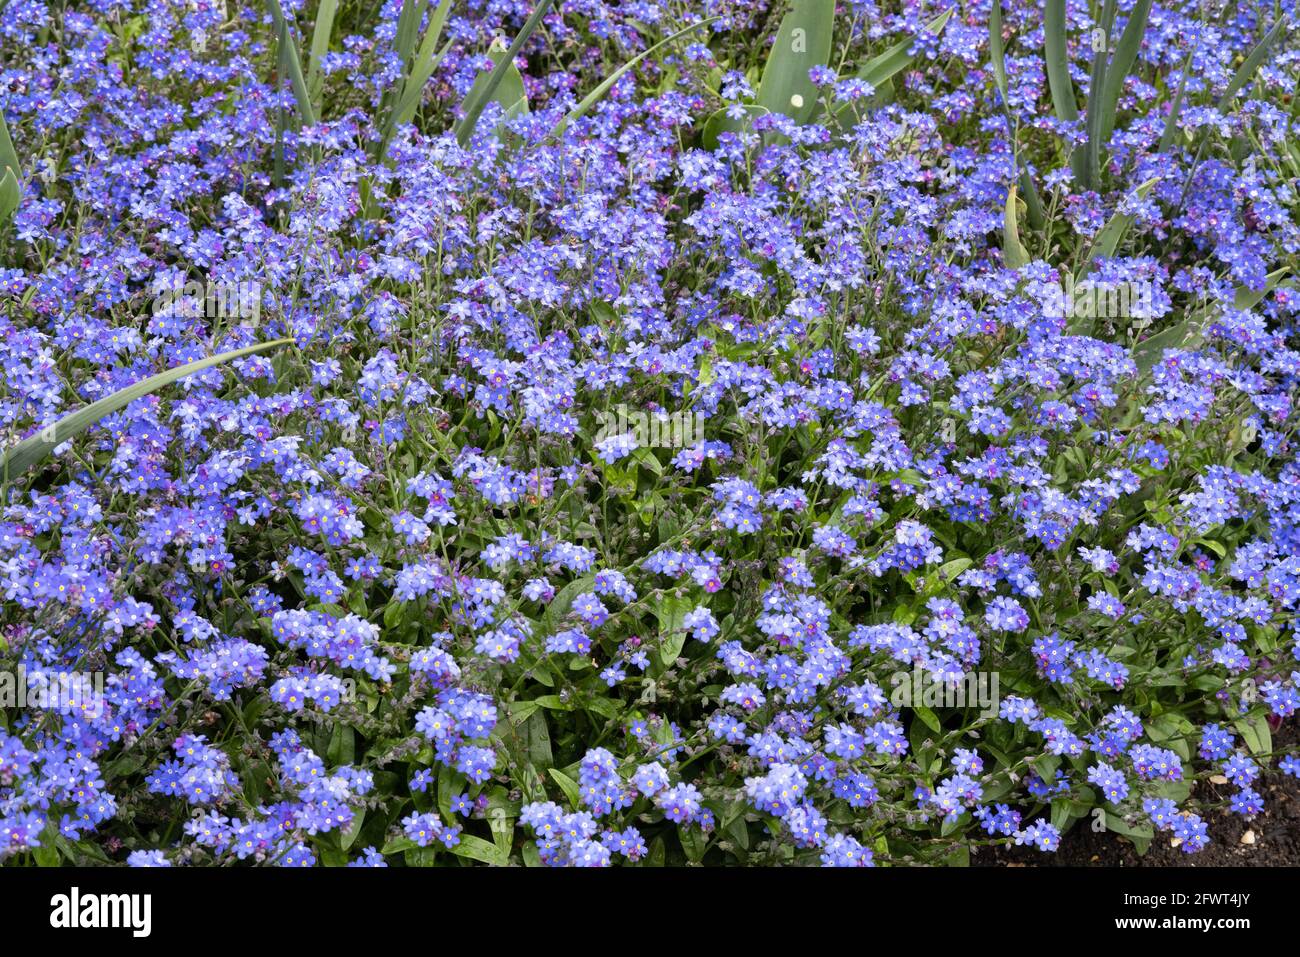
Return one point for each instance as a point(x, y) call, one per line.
point(397, 845)
point(567, 785)
point(1188, 333)
point(1252, 63)
point(738, 828)
point(11, 195)
point(929, 717)
point(11, 174)
point(28, 452)
point(651, 461)
point(595, 96)
point(1014, 253)
point(46, 854)
point(476, 849)
point(426, 62)
point(343, 745)
point(950, 827)
point(1056, 56)
point(694, 842)
point(559, 605)
point(1172, 729)
point(803, 41)
point(538, 739)
point(320, 44)
point(1138, 832)
point(655, 858)
point(509, 91)
point(1176, 108)
point(128, 763)
point(1130, 42)
point(1149, 351)
point(1095, 98)
point(486, 92)
point(1046, 767)
point(1110, 236)
point(1255, 732)
point(1246, 298)
point(996, 54)
point(720, 123)
point(408, 26)
point(501, 814)
point(349, 837)
point(1033, 205)
point(1062, 815)
point(450, 783)
point(421, 856)
point(949, 571)
point(552, 702)
point(293, 64)
point(671, 612)
point(959, 856)
point(8, 155)
point(881, 69)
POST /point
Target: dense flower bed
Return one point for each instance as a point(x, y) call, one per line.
point(680, 482)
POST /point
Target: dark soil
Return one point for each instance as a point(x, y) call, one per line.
point(1276, 832)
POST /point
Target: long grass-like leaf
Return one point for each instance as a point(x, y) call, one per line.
point(1126, 52)
point(281, 123)
point(408, 28)
point(426, 62)
point(412, 93)
point(11, 194)
point(320, 44)
point(293, 63)
point(11, 190)
point(8, 155)
point(1148, 352)
point(1056, 57)
point(1189, 333)
point(1096, 88)
point(479, 97)
point(1108, 239)
point(1033, 205)
point(1014, 254)
point(802, 42)
point(31, 450)
point(401, 102)
point(880, 69)
point(996, 53)
point(1243, 76)
point(1176, 108)
point(594, 97)
point(509, 93)
point(1253, 61)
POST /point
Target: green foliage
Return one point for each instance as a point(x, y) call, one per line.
point(512, 97)
point(33, 449)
